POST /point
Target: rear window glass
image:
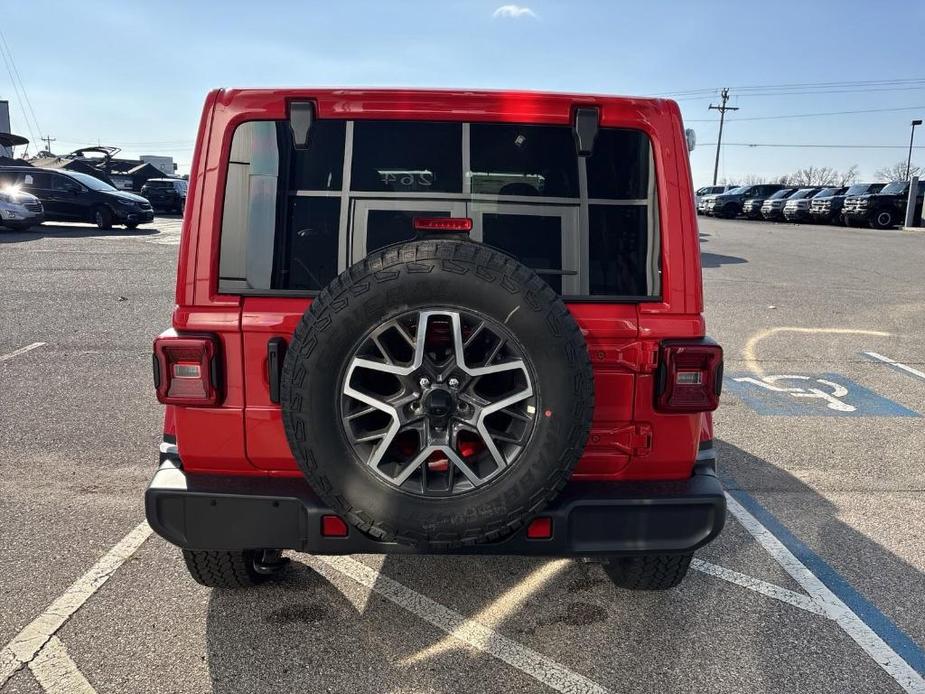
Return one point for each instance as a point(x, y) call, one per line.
point(397, 157)
point(619, 167)
point(532, 160)
point(294, 218)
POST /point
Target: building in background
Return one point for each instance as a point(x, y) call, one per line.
point(166, 165)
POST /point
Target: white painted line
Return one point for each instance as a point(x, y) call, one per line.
point(21, 350)
point(499, 609)
point(35, 635)
point(898, 365)
point(56, 672)
point(904, 674)
point(759, 586)
point(536, 665)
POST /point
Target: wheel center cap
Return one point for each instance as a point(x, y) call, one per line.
point(439, 403)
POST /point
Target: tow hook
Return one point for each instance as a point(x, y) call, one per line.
point(269, 562)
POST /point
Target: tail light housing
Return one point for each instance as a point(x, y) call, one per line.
point(186, 370)
point(689, 376)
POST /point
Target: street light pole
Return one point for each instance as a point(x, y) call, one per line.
point(911, 138)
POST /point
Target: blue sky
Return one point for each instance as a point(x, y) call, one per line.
point(134, 74)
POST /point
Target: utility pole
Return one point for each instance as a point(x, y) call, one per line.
point(48, 139)
point(722, 108)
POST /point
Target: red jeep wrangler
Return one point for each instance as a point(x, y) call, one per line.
point(441, 322)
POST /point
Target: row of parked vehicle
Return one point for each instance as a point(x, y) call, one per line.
point(31, 195)
point(877, 205)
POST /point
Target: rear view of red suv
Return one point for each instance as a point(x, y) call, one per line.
point(438, 322)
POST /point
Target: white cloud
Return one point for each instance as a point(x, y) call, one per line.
point(513, 12)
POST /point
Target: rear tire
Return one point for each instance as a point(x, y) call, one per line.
point(102, 217)
point(217, 569)
point(881, 219)
point(650, 572)
point(131, 226)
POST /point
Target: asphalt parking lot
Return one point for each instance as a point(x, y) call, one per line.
point(817, 584)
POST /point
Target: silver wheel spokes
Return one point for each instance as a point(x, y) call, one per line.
point(438, 402)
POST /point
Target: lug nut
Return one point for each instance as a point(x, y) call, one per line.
point(425, 382)
point(454, 382)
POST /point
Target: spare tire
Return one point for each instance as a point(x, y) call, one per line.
point(437, 393)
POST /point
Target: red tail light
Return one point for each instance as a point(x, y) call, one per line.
point(690, 376)
point(186, 370)
point(333, 526)
point(456, 224)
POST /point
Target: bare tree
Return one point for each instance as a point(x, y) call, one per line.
point(813, 176)
point(848, 176)
point(897, 172)
point(752, 180)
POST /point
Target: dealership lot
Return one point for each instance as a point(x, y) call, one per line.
point(817, 583)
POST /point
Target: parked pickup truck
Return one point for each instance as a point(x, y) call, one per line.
point(826, 209)
point(797, 209)
point(751, 208)
point(882, 210)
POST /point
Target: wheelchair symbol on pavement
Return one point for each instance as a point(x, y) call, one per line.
point(815, 395)
point(831, 398)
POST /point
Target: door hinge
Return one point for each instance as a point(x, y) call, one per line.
point(631, 439)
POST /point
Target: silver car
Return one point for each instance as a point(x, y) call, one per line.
point(701, 195)
point(19, 210)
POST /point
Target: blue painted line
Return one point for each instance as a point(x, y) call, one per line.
point(882, 625)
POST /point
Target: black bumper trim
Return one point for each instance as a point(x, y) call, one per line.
point(589, 518)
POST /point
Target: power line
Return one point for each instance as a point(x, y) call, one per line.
point(810, 115)
point(811, 145)
point(22, 85)
point(22, 106)
point(722, 108)
point(800, 85)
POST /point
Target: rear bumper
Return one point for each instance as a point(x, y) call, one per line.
point(588, 518)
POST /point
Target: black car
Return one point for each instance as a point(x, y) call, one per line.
point(751, 208)
point(168, 194)
point(729, 205)
point(882, 210)
point(826, 209)
point(69, 196)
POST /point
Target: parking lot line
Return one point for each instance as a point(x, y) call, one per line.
point(21, 350)
point(500, 608)
point(750, 354)
point(896, 364)
point(28, 642)
point(901, 658)
point(528, 661)
point(56, 672)
point(759, 586)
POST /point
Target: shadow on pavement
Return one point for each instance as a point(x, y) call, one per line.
point(888, 582)
point(72, 231)
point(717, 260)
point(302, 633)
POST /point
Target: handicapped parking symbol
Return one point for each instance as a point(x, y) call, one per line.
point(832, 399)
point(820, 395)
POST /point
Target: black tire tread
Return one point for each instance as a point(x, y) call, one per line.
point(219, 569)
point(648, 572)
point(491, 266)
